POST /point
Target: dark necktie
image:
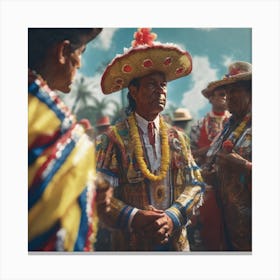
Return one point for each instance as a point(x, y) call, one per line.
point(151, 132)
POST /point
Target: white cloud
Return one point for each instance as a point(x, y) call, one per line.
point(105, 38)
point(201, 75)
point(227, 60)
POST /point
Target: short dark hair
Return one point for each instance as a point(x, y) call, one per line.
point(40, 40)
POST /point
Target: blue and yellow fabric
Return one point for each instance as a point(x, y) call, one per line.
point(61, 170)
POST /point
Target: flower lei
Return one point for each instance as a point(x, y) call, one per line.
point(134, 134)
point(229, 143)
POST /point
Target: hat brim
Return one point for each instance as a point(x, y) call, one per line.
point(182, 119)
point(91, 35)
point(102, 124)
point(141, 61)
point(207, 92)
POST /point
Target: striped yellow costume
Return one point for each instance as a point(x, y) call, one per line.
point(61, 170)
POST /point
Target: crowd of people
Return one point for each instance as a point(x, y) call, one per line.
point(143, 183)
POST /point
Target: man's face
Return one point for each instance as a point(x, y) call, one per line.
point(238, 100)
point(218, 99)
point(150, 97)
point(65, 77)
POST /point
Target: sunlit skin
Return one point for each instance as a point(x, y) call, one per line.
point(59, 70)
point(218, 100)
point(150, 97)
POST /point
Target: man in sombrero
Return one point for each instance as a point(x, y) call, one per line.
point(157, 184)
point(229, 159)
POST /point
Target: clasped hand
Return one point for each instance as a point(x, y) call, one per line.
point(104, 193)
point(232, 159)
point(152, 224)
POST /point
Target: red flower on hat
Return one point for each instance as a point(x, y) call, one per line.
point(143, 37)
point(234, 71)
point(227, 146)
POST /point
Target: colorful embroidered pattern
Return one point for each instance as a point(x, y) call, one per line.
point(116, 156)
point(61, 213)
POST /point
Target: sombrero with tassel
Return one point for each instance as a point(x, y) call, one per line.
point(144, 57)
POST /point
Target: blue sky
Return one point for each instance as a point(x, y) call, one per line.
point(212, 50)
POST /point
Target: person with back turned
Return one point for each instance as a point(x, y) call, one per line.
point(62, 179)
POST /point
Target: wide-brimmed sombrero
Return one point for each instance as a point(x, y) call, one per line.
point(144, 57)
point(237, 71)
point(181, 114)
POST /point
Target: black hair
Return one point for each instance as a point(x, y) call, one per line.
point(131, 102)
point(40, 40)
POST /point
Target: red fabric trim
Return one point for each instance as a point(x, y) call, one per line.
point(44, 139)
point(51, 156)
point(219, 113)
point(203, 140)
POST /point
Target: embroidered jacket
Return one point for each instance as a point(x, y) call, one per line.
point(234, 184)
point(206, 129)
point(116, 158)
point(60, 175)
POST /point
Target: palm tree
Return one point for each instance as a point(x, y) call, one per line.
point(97, 109)
point(170, 109)
point(83, 94)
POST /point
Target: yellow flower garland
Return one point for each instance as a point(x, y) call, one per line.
point(240, 129)
point(237, 132)
point(134, 134)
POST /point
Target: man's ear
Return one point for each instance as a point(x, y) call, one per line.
point(63, 51)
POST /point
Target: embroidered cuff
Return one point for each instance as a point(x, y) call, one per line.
point(132, 214)
point(123, 219)
point(175, 215)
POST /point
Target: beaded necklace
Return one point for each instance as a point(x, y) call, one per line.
point(234, 136)
point(134, 134)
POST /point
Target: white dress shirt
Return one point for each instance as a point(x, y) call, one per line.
point(153, 153)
